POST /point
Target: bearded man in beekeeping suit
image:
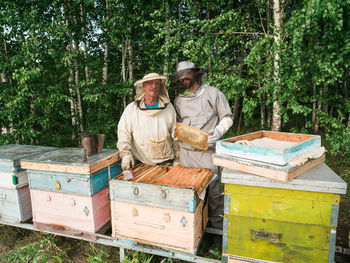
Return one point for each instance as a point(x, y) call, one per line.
point(146, 126)
point(206, 108)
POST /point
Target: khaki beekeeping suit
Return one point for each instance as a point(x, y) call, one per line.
point(144, 133)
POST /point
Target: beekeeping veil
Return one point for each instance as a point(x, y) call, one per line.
point(183, 68)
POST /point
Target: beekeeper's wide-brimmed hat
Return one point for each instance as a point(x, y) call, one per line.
point(185, 66)
point(151, 76)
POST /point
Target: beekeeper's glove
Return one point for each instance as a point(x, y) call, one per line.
point(220, 130)
point(212, 139)
point(128, 162)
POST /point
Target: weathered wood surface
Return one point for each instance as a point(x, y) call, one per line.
point(153, 195)
point(280, 136)
point(279, 241)
point(147, 174)
point(186, 177)
point(69, 211)
point(178, 176)
point(304, 144)
point(282, 204)
point(164, 228)
point(70, 183)
point(13, 180)
point(318, 179)
point(192, 136)
point(71, 232)
point(70, 160)
point(11, 154)
point(15, 204)
point(239, 259)
point(282, 221)
point(278, 172)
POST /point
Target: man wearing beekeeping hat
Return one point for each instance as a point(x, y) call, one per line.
point(146, 125)
point(206, 108)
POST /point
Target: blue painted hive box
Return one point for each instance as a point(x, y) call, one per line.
point(268, 146)
point(145, 188)
point(15, 204)
point(11, 174)
point(66, 171)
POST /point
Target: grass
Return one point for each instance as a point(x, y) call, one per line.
point(19, 245)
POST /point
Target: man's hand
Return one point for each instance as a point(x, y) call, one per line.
point(128, 162)
point(212, 139)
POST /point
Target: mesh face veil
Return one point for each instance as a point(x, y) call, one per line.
point(185, 79)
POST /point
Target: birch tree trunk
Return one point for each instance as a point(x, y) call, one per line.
point(73, 106)
point(75, 45)
point(123, 73)
point(69, 48)
point(209, 42)
point(130, 66)
point(105, 65)
point(345, 88)
point(77, 81)
point(316, 109)
point(325, 94)
point(31, 98)
point(313, 120)
point(4, 79)
point(319, 107)
point(83, 32)
point(276, 117)
point(106, 52)
point(262, 111)
point(166, 62)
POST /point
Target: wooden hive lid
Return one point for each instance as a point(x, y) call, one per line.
point(70, 160)
point(14, 152)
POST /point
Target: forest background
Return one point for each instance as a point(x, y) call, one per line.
point(70, 65)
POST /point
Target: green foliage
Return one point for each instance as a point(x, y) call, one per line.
point(27, 253)
point(137, 257)
point(96, 255)
point(233, 40)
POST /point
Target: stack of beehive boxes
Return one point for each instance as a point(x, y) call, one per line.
point(161, 206)
point(15, 204)
point(69, 193)
point(281, 205)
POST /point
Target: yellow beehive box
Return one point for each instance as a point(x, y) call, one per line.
point(278, 221)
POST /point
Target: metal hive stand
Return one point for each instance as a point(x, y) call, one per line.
point(124, 244)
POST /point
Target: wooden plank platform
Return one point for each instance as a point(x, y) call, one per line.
point(69, 231)
point(278, 172)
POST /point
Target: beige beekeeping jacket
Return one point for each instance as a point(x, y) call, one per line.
point(147, 133)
